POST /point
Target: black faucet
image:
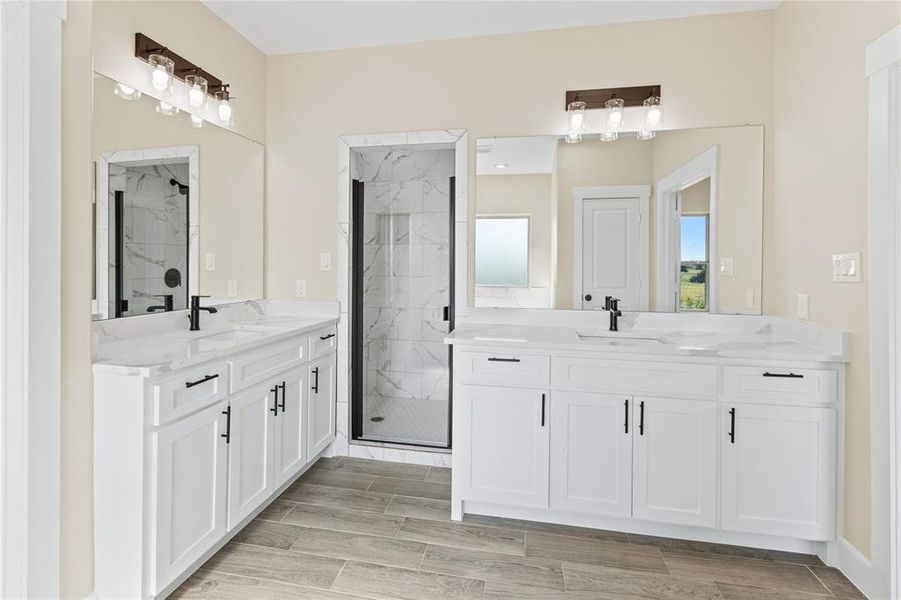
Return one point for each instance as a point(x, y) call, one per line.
point(194, 317)
point(611, 305)
point(167, 304)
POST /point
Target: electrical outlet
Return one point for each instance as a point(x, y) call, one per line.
point(803, 306)
point(325, 261)
point(210, 261)
point(727, 267)
point(300, 288)
point(846, 267)
point(749, 298)
point(232, 285)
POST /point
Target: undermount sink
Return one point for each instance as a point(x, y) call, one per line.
point(617, 339)
point(230, 336)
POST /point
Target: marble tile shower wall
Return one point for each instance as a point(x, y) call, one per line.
point(155, 232)
point(406, 271)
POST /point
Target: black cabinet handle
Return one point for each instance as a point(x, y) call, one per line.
point(282, 404)
point(316, 380)
point(626, 407)
point(445, 313)
point(274, 409)
point(641, 418)
point(543, 398)
point(228, 424)
point(495, 359)
point(787, 375)
point(587, 297)
point(190, 384)
point(731, 425)
point(326, 337)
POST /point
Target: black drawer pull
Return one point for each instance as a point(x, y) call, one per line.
point(190, 384)
point(228, 424)
point(510, 360)
point(641, 418)
point(731, 425)
point(543, 398)
point(274, 409)
point(786, 375)
point(282, 404)
point(626, 407)
point(326, 337)
point(316, 380)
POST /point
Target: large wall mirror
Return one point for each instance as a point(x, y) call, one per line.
point(670, 224)
point(178, 207)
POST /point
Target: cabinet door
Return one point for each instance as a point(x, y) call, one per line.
point(675, 461)
point(321, 406)
point(779, 470)
point(591, 453)
point(505, 439)
point(190, 491)
point(250, 469)
point(290, 440)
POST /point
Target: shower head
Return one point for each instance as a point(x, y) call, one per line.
point(182, 188)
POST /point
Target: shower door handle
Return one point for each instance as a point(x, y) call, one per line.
point(446, 313)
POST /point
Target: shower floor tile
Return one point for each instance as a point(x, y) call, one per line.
point(405, 420)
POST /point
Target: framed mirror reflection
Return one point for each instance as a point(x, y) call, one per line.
point(670, 224)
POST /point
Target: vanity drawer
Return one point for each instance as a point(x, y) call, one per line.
point(261, 366)
point(324, 341)
point(502, 368)
point(190, 390)
point(635, 377)
point(781, 384)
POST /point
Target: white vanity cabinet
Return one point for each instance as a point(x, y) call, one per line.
point(645, 444)
point(182, 460)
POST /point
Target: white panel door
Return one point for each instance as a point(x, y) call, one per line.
point(190, 491)
point(675, 461)
point(290, 438)
point(611, 252)
point(250, 470)
point(591, 453)
point(779, 470)
point(504, 443)
point(321, 406)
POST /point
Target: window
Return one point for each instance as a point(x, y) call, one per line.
point(694, 266)
point(502, 251)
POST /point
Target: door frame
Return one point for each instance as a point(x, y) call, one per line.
point(613, 192)
point(667, 189)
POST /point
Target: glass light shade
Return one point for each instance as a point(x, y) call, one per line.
point(576, 112)
point(197, 90)
point(645, 134)
point(164, 108)
point(126, 92)
point(225, 111)
point(653, 113)
point(162, 70)
point(609, 136)
point(196, 122)
point(614, 108)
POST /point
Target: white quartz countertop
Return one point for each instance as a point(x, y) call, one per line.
point(149, 355)
point(762, 344)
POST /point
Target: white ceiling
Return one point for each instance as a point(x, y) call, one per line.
point(521, 155)
point(289, 26)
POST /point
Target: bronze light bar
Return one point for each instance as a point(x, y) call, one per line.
point(631, 96)
point(144, 47)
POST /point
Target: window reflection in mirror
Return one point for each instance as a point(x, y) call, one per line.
point(502, 251)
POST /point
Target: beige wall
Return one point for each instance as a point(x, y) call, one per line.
point(523, 195)
point(493, 86)
point(820, 107)
point(696, 198)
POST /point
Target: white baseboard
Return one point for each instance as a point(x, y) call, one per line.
point(855, 566)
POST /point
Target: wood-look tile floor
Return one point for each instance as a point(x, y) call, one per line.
point(352, 528)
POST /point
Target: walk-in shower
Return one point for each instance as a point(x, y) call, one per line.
point(402, 294)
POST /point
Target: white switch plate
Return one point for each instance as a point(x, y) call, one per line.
point(749, 298)
point(325, 261)
point(846, 267)
point(300, 288)
point(727, 267)
point(232, 285)
point(210, 261)
point(803, 306)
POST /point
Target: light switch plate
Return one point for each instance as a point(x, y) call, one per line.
point(300, 288)
point(803, 306)
point(210, 261)
point(325, 261)
point(232, 288)
point(727, 267)
point(846, 267)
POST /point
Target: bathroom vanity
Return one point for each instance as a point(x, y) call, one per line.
point(195, 432)
point(716, 428)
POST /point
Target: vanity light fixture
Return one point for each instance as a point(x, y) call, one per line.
point(224, 109)
point(197, 90)
point(653, 111)
point(576, 113)
point(645, 134)
point(162, 71)
point(614, 120)
point(196, 122)
point(609, 136)
point(164, 108)
point(126, 92)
